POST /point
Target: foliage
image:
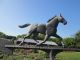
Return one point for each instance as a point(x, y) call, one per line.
point(55, 40)
point(73, 42)
point(77, 39)
point(77, 36)
point(69, 42)
point(21, 36)
point(10, 37)
point(31, 56)
point(2, 35)
point(37, 56)
point(41, 36)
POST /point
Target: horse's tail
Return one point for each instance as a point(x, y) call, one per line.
point(23, 26)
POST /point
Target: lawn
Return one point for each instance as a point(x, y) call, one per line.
point(68, 56)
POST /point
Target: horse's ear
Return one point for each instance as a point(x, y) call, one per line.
point(60, 15)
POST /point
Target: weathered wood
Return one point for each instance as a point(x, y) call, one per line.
point(30, 47)
point(41, 47)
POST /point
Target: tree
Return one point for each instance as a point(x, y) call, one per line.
point(77, 36)
point(77, 39)
point(21, 36)
point(41, 36)
point(2, 35)
point(10, 37)
point(69, 42)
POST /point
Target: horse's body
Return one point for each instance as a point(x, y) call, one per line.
point(39, 28)
point(49, 29)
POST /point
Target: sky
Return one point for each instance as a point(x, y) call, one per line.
point(18, 12)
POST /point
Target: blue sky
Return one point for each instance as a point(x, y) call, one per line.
point(18, 12)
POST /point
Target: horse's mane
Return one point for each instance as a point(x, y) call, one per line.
point(51, 18)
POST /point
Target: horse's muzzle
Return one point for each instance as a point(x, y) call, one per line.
point(65, 23)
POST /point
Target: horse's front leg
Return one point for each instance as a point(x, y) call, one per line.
point(60, 43)
point(57, 36)
point(45, 39)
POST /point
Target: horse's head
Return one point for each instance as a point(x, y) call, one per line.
point(62, 19)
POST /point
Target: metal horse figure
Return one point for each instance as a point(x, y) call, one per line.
point(49, 29)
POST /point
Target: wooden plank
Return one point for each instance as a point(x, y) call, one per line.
point(41, 47)
point(28, 46)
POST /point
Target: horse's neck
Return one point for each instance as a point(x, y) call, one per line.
point(54, 23)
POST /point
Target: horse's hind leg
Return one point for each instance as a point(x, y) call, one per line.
point(35, 37)
point(28, 36)
point(25, 38)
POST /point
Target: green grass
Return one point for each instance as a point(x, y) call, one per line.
point(68, 56)
point(41, 56)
